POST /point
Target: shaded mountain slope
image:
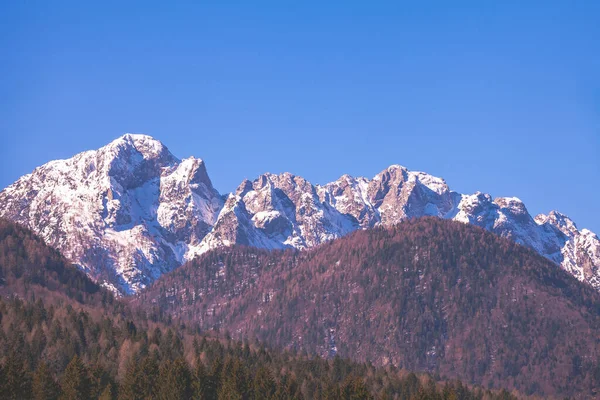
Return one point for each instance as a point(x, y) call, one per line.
point(28, 267)
point(427, 294)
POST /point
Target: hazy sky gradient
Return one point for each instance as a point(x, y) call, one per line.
point(502, 97)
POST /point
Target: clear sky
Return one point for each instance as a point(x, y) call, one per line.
point(497, 96)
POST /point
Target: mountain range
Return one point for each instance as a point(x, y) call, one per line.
point(131, 211)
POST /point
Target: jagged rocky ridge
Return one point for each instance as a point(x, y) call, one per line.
point(126, 213)
point(131, 211)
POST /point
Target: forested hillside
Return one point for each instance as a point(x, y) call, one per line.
point(62, 336)
point(58, 351)
point(427, 294)
point(29, 267)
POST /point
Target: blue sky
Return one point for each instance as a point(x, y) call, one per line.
point(502, 97)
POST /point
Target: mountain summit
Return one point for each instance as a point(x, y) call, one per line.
point(125, 213)
point(131, 211)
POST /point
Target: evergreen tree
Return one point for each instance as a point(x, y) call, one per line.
point(44, 385)
point(148, 376)
point(330, 392)
point(2, 379)
point(131, 388)
point(214, 380)
point(288, 389)
point(234, 381)
point(354, 389)
point(17, 378)
point(196, 346)
point(227, 387)
point(201, 384)
point(504, 395)
point(75, 383)
point(107, 393)
point(228, 391)
point(99, 380)
point(175, 381)
point(264, 385)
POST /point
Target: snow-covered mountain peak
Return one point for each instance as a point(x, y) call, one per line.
point(587, 232)
point(269, 178)
point(508, 202)
point(125, 163)
point(243, 188)
point(473, 204)
point(395, 168)
point(398, 175)
point(438, 185)
point(347, 178)
point(146, 145)
point(192, 171)
point(558, 220)
point(126, 213)
point(513, 205)
point(392, 171)
point(131, 211)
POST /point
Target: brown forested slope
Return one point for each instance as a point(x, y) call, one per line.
point(29, 267)
point(427, 294)
point(62, 336)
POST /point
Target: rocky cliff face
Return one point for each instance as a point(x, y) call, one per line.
point(277, 211)
point(126, 213)
point(131, 211)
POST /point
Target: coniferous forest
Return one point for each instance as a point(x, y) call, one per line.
point(64, 337)
point(428, 295)
point(60, 352)
point(429, 309)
